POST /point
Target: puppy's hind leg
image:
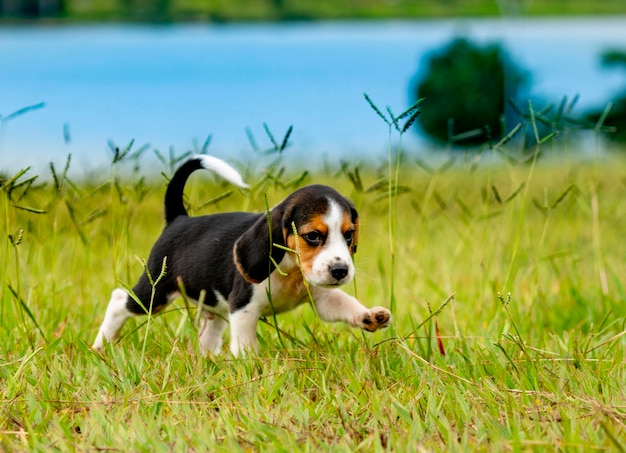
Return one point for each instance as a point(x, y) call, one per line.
point(116, 315)
point(213, 326)
point(210, 335)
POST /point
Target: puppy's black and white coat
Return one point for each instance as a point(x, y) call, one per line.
point(228, 256)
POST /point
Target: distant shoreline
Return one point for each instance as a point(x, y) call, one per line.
point(51, 12)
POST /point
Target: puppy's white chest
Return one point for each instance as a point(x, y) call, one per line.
point(282, 292)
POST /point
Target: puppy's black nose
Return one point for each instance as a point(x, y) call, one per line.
point(338, 271)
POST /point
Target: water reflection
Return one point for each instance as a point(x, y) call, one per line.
point(170, 85)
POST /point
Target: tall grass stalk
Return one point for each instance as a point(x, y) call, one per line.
point(7, 186)
point(5, 276)
point(527, 185)
point(149, 310)
point(276, 266)
point(393, 178)
point(597, 240)
point(392, 218)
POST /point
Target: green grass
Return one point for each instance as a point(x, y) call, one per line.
point(533, 335)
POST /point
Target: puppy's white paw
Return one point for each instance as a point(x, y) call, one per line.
point(98, 344)
point(210, 346)
point(239, 348)
point(375, 318)
point(114, 318)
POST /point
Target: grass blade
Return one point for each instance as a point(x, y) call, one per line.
point(27, 310)
point(378, 112)
point(22, 111)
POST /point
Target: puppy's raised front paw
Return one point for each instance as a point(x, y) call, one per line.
point(376, 318)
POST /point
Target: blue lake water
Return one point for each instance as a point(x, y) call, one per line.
point(173, 85)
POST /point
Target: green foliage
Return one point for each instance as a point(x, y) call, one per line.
point(237, 10)
point(466, 88)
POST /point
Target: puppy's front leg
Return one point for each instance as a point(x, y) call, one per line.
point(243, 330)
point(116, 315)
point(334, 305)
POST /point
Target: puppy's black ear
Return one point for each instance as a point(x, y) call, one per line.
point(252, 250)
point(355, 220)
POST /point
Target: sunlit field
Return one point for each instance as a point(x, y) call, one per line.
point(506, 280)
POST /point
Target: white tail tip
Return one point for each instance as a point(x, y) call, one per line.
point(223, 169)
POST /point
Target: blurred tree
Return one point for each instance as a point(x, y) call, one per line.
point(615, 120)
point(466, 89)
point(155, 10)
point(32, 9)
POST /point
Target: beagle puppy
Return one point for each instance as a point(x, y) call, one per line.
point(311, 236)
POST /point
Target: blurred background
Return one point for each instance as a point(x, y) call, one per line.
point(85, 76)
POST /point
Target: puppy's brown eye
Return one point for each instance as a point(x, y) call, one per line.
point(349, 236)
point(313, 238)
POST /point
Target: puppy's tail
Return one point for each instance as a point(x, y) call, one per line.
point(174, 205)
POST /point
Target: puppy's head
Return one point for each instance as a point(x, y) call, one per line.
point(315, 221)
